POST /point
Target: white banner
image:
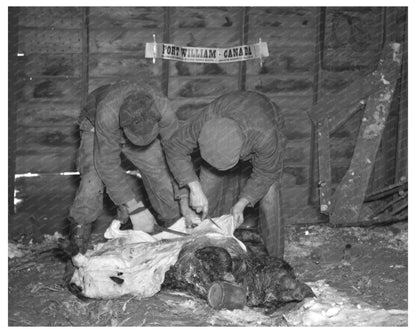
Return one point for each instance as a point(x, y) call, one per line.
point(205, 54)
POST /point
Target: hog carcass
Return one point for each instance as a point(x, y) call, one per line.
point(135, 263)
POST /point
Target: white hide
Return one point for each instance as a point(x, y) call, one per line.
point(139, 259)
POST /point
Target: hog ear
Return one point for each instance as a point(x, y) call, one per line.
point(80, 260)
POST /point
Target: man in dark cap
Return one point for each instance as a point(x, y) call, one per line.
point(239, 126)
point(130, 119)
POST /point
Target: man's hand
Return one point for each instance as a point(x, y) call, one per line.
point(198, 200)
point(188, 213)
point(238, 210)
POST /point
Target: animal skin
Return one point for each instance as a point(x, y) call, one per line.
point(270, 282)
point(133, 262)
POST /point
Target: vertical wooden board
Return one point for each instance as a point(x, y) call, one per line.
point(45, 199)
point(294, 175)
point(353, 37)
point(297, 153)
point(126, 17)
point(117, 64)
point(206, 17)
point(293, 105)
point(341, 105)
point(51, 65)
point(49, 41)
point(118, 40)
point(283, 36)
point(179, 68)
point(277, 16)
point(51, 17)
point(85, 39)
point(204, 87)
point(284, 60)
point(52, 89)
point(324, 166)
point(45, 161)
point(35, 114)
point(295, 198)
point(13, 88)
point(402, 144)
point(334, 82)
point(282, 27)
point(288, 85)
point(95, 82)
point(206, 37)
point(297, 128)
point(31, 139)
point(46, 149)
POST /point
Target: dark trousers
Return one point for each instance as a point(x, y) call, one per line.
point(149, 160)
point(222, 189)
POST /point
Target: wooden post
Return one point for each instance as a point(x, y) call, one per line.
point(319, 50)
point(242, 74)
point(85, 55)
point(349, 196)
point(13, 91)
point(324, 164)
point(166, 39)
point(402, 131)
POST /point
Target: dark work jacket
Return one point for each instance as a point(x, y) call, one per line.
point(109, 136)
point(93, 99)
point(263, 140)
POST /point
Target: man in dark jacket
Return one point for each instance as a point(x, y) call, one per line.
point(236, 126)
point(128, 118)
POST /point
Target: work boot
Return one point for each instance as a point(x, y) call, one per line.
point(80, 237)
point(78, 243)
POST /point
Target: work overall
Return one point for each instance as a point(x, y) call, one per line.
point(222, 189)
point(150, 162)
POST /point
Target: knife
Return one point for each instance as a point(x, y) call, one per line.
point(159, 228)
point(213, 222)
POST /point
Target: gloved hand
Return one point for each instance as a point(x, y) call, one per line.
point(191, 218)
point(143, 221)
point(238, 211)
point(198, 200)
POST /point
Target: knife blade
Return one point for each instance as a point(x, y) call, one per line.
point(213, 222)
point(159, 228)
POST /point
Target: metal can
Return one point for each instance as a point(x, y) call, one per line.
point(226, 295)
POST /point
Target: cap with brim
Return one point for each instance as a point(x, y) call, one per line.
point(139, 118)
point(220, 143)
point(136, 136)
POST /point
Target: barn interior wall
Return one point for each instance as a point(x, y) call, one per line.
point(52, 76)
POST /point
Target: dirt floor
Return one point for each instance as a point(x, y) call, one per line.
point(358, 273)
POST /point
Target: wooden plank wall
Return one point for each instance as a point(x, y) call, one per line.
point(287, 78)
point(117, 43)
point(48, 104)
point(51, 71)
point(391, 160)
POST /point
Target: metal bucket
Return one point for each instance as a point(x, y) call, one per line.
point(225, 295)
